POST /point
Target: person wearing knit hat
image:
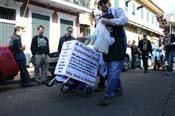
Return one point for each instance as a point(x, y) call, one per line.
point(114, 19)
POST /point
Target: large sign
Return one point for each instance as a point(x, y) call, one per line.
point(79, 62)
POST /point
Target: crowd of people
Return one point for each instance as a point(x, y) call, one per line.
point(114, 19)
point(141, 52)
point(161, 55)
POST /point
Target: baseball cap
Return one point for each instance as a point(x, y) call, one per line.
point(166, 29)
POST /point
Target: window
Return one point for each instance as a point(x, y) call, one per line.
point(6, 13)
point(133, 9)
point(126, 7)
point(147, 16)
point(153, 19)
point(39, 19)
point(64, 24)
point(116, 2)
point(142, 12)
point(157, 24)
point(6, 29)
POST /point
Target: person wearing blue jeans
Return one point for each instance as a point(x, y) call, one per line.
point(114, 19)
point(171, 61)
point(18, 51)
point(169, 45)
point(25, 79)
point(171, 54)
point(101, 85)
point(113, 82)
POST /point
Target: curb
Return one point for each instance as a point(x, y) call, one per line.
point(17, 79)
point(12, 82)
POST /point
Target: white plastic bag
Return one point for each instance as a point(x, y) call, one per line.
point(103, 39)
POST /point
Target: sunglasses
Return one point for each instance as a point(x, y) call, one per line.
point(70, 30)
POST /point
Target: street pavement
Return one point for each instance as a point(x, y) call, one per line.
point(145, 94)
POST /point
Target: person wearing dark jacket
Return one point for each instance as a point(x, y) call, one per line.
point(114, 19)
point(40, 51)
point(169, 46)
point(144, 48)
point(18, 51)
point(67, 37)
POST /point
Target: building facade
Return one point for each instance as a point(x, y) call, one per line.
point(142, 18)
point(57, 15)
point(54, 15)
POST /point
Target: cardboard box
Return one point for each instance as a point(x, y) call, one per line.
point(79, 62)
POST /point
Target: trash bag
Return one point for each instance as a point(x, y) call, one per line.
point(102, 38)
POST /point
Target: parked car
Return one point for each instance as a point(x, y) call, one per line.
point(128, 60)
point(8, 65)
point(53, 58)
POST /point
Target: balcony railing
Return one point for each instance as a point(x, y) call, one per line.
point(84, 3)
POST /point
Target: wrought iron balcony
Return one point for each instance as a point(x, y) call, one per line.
point(84, 3)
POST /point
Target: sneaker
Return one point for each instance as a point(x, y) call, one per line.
point(105, 101)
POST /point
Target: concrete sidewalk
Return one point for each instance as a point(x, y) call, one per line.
point(17, 77)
